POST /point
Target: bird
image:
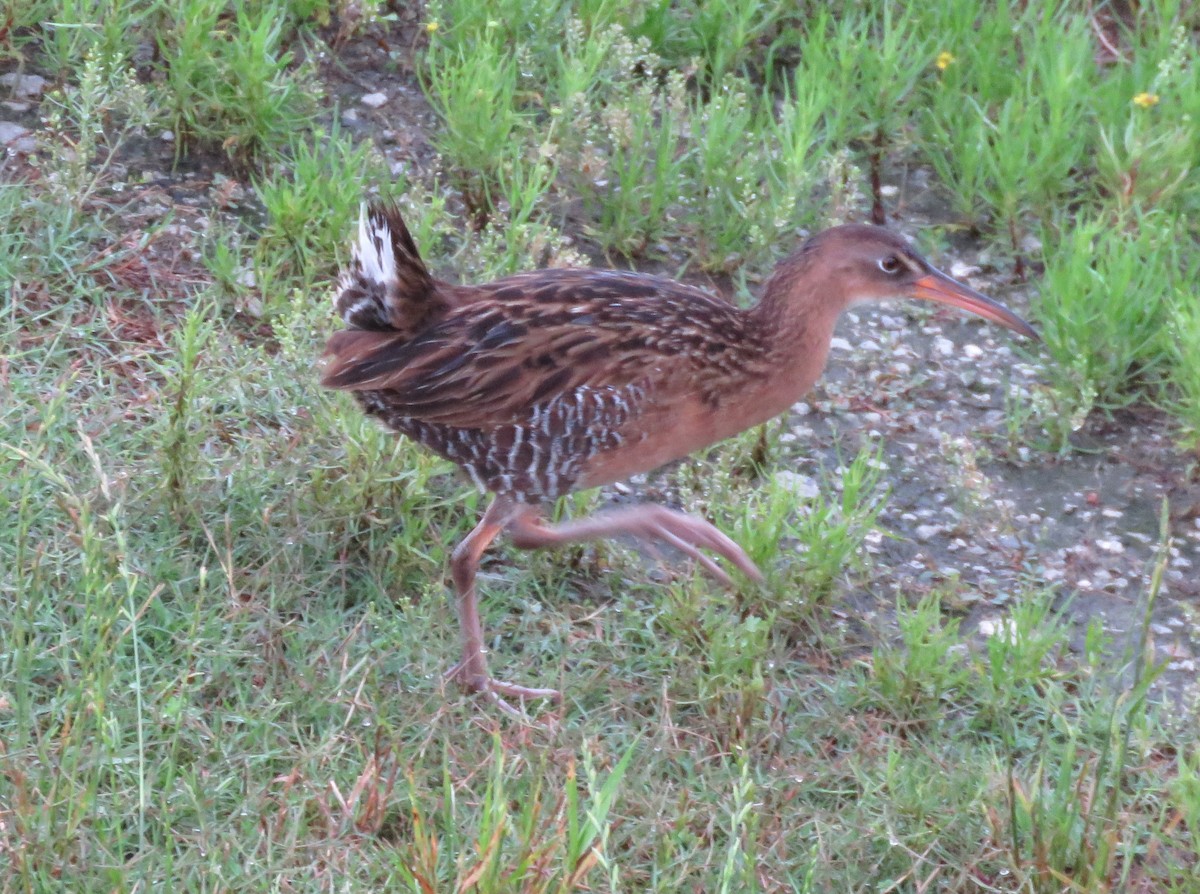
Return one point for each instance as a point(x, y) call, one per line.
point(552, 381)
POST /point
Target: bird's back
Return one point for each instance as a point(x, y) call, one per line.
point(532, 382)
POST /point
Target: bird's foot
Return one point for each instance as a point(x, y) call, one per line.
point(648, 522)
point(471, 676)
point(689, 535)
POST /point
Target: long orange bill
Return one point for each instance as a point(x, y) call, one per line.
point(937, 286)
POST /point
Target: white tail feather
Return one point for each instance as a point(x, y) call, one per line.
point(373, 251)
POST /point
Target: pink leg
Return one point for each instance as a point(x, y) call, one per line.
point(647, 522)
point(472, 671)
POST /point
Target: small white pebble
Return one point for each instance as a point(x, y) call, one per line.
point(1110, 546)
point(974, 352)
point(997, 626)
point(797, 484)
point(840, 344)
point(927, 532)
point(374, 100)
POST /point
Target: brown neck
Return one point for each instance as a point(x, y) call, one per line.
point(796, 328)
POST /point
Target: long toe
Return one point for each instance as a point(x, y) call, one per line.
point(698, 534)
point(528, 693)
point(688, 548)
point(713, 538)
point(738, 557)
point(498, 692)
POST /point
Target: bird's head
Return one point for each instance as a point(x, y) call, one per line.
point(864, 263)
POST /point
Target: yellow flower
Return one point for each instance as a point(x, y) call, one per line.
point(431, 27)
point(944, 60)
point(1145, 100)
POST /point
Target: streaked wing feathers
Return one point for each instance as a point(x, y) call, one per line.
point(527, 339)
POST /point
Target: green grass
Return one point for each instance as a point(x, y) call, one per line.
point(223, 612)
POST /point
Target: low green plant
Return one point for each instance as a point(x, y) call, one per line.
point(1105, 307)
point(1184, 399)
point(1147, 145)
point(88, 125)
point(748, 193)
point(795, 139)
point(722, 653)
point(230, 82)
point(830, 535)
point(1021, 662)
point(1185, 792)
point(926, 671)
point(71, 30)
point(472, 84)
point(722, 35)
point(739, 869)
point(870, 66)
point(1065, 812)
point(185, 427)
point(1145, 165)
point(802, 544)
point(460, 22)
point(725, 173)
point(1008, 141)
point(635, 199)
point(312, 195)
point(522, 237)
point(521, 841)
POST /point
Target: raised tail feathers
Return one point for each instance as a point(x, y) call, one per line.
point(386, 285)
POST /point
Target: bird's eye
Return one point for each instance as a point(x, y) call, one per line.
point(891, 264)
